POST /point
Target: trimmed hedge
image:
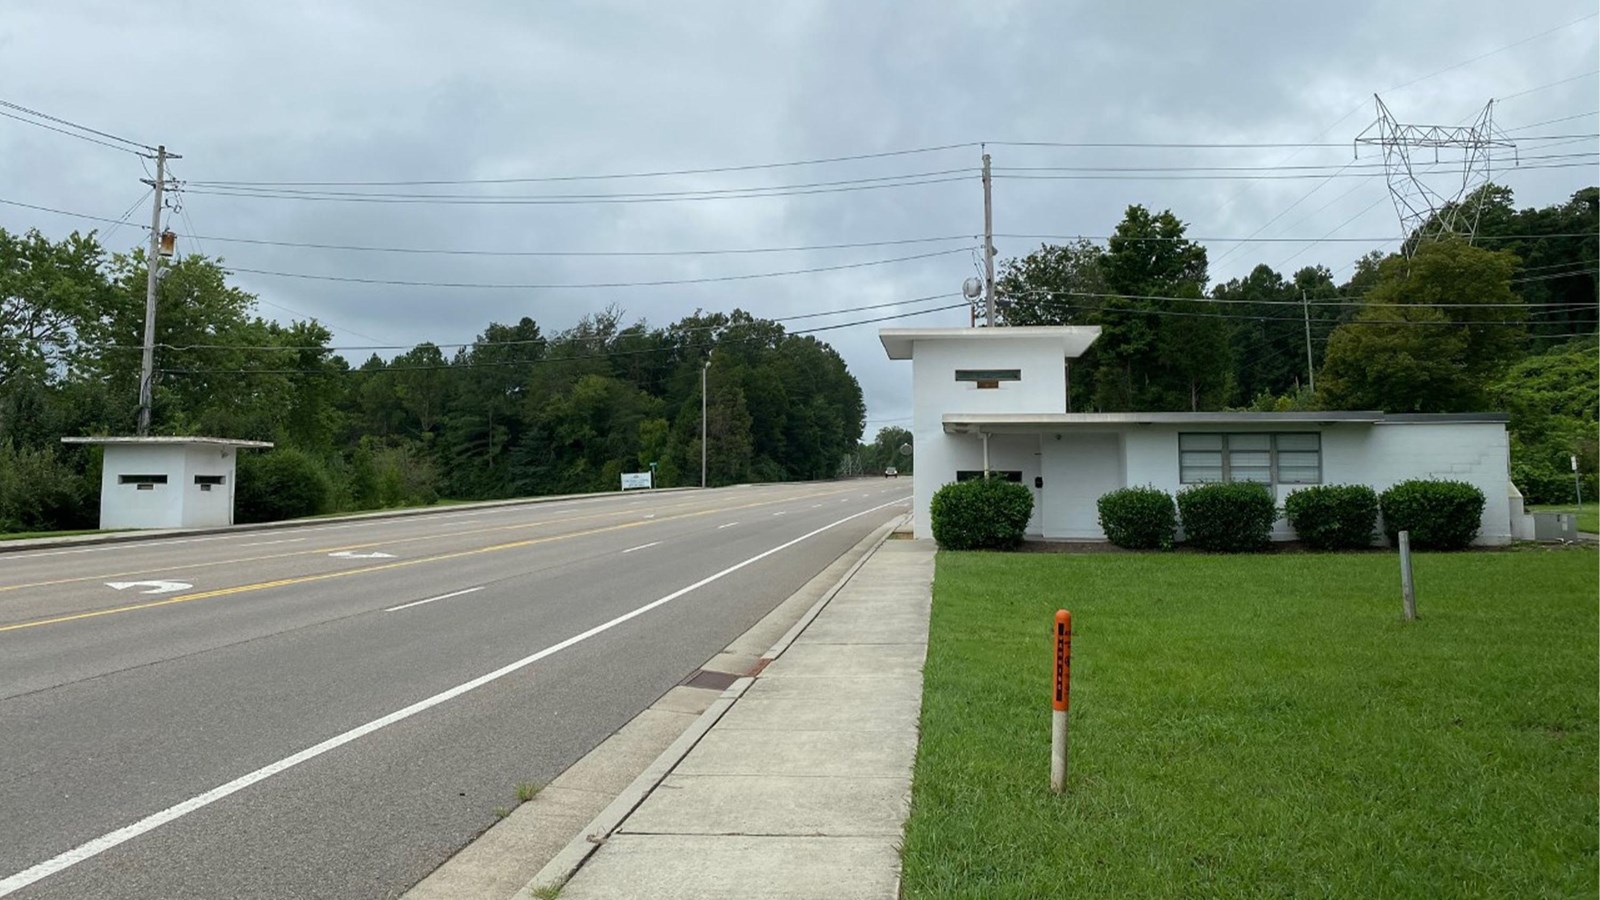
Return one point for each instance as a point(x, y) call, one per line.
point(1441, 515)
point(1228, 518)
point(1139, 518)
point(1333, 516)
point(986, 514)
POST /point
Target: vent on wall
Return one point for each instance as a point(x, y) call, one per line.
point(142, 482)
point(988, 379)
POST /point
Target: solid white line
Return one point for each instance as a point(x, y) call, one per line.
point(105, 842)
point(267, 543)
point(419, 603)
point(641, 547)
point(729, 525)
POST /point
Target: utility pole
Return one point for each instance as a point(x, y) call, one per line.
point(1305, 311)
point(703, 370)
point(988, 246)
point(153, 269)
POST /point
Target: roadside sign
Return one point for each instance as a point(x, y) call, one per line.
point(635, 481)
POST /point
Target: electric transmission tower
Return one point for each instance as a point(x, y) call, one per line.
point(1426, 213)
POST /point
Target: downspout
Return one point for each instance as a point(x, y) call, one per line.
point(985, 436)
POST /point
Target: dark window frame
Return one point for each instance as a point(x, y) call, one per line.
point(1226, 455)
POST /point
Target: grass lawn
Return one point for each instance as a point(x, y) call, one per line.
point(1588, 519)
point(1262, 726)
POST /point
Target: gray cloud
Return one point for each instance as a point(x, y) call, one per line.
point(323, 91)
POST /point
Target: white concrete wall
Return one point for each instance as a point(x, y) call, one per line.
point(1378, 456)
point(1079, 467)
point(180, 503)
point(124, 505)
point(935, 392)
point(1478, 454)
point(203, 508)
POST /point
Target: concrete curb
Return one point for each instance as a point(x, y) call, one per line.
point(566, 863)
point(126, 537)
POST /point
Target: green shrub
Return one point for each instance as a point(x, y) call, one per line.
point(280, 484)
point(1139, 518)
point(1227, 518)
point(39, 491)
point(1441, 515)
point(1333, 516)
point(1542, 482)
point(987, 514)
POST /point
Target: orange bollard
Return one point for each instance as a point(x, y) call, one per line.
point(1060, 701)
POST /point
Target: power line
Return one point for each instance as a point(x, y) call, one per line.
point(1293, 176)
point(579, 199)
point(722, 251)
point(548, 359)
point(74, 125)
point(364, 348)
point(71, 134)
point(1590, 74)
point(592, 285)
point(395, 195)
point(543, 179)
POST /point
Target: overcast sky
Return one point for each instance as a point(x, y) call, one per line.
point(373, 91)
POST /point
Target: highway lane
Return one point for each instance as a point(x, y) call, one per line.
point(109, 719)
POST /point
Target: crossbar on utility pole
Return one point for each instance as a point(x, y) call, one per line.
point(988, 246)
point(153, 275)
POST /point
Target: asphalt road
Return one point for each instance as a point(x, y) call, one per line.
point(289, 713)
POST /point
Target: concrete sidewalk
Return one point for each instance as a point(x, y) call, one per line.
point(801, 787)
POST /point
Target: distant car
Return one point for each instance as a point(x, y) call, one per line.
point(891, 472)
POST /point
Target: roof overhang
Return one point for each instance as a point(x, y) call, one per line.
point(131, 441)
point(900, 343)
point(1033, 423)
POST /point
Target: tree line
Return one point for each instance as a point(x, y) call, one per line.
point(515, 412)
point(1503, 322)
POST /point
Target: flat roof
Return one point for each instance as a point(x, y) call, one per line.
point(168, 441)
point(1074, 339)
point(1017, 423)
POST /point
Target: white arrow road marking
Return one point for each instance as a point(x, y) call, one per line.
point(816, 506)
point(650, 516)
point(351, 554)
point(156, 587)
point(641, 547)
point(431, 599)
point(779, 513)
point(92, 848)
point(729, 525)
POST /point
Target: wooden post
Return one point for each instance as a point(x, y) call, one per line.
point(1059, 701)
point(1408, 589)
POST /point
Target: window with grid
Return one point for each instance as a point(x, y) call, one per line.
point(1266, 458)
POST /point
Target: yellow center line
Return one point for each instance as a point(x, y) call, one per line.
point(405, 563)
point(321, 551)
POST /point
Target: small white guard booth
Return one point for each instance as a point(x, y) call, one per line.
point(167, 482)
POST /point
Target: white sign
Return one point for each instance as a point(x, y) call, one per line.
point(1574, 464)
point(632, 480)
point(156, 587)
point(351, 554)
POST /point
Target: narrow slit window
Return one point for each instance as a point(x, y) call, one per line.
point(142, 480)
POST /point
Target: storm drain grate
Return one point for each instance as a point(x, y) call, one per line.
point(716, 681)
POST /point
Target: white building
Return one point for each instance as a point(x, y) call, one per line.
point(994, 399)
point(167, 482)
